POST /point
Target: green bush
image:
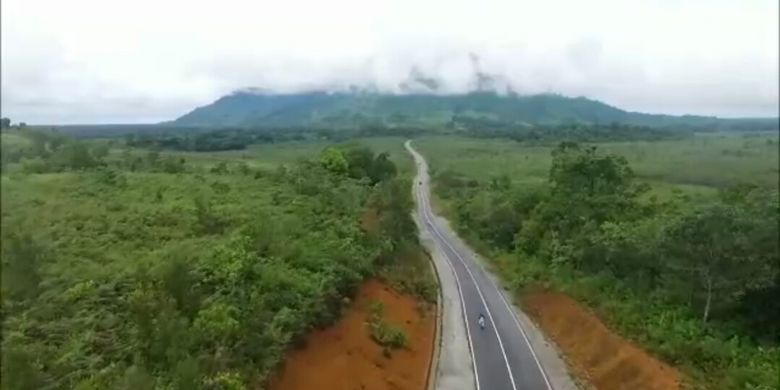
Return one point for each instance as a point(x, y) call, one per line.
point(383, 333)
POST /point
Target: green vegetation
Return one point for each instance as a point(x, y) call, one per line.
point(691, 271)
point(195, 258)
point(239, 139)
point(691, 166)
point(410, 272)
point(486, 111)
point(132, 268)
point(383, 333)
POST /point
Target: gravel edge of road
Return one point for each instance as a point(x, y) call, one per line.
point(433, 362)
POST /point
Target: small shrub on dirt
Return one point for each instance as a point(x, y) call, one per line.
point(383, 333)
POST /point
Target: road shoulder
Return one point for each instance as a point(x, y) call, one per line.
point(550, 357)
point(453, 365)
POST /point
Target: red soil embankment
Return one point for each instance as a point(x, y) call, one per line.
point(603, 359)
point(344, 356)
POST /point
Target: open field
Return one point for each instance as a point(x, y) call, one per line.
point(695, 165)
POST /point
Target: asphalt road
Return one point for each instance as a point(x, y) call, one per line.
point(502, 355)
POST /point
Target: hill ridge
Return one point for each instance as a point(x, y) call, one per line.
point(354, 107)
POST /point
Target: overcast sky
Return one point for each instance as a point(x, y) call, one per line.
point(112, 61)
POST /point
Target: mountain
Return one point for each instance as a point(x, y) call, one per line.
point(252, 108)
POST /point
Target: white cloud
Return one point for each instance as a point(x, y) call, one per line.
point(149, 60)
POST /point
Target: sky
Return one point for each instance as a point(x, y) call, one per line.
point(140, 61)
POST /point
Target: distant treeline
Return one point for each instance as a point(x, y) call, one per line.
point(215, 140)
point(238, 138)
point(488, 128)
point(188, 138)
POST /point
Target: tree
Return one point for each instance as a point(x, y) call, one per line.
point(76, 155)
point(360, 160)
point(759, 306)
point(5, 123)
point(334, 161)
point(381, 168)
point(712, 247)
point(590, 187)
point(100, 151)
point(393, 202)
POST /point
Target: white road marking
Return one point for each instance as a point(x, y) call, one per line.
point(522, 331)
point(426, 213)
point(503, 299)
point(487, 309)
point(462, 305)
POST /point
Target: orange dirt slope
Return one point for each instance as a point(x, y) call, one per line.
point(597, 355)
point(343, 356)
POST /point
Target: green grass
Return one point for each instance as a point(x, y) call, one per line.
point(696, 166)
point(13, 140)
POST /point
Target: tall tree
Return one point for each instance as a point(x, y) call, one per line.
point(712, 247)
point(587, 186)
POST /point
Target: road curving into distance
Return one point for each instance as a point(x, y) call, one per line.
point(501, 354)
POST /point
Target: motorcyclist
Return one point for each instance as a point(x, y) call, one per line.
point(481, 321)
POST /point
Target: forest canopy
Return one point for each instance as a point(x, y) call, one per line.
point(142, 270)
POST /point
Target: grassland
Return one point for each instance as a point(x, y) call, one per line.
point(696, 166)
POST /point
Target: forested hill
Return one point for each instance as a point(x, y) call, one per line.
point(323, 109)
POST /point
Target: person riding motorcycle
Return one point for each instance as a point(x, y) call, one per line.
point(481, 321)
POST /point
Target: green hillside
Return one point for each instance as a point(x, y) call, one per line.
point(323, 109)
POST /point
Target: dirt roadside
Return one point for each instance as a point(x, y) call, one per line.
point(599, 356)
point(343, 356)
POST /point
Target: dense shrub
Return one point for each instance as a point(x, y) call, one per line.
point(153, 272)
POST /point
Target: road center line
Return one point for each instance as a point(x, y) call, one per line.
point(484, 303)
point(522, 331)
point(462, 304)
point(427, 212)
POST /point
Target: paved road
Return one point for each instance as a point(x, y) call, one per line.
point(502, 355)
